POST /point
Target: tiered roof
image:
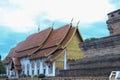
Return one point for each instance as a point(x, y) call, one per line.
point(45, 43)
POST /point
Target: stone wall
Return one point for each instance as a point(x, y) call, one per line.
point(94, 66)
point(102, 56)
point(113, 22)
point(103, 46)
point(65, 78)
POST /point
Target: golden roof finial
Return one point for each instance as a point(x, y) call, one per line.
point(38, 28)
point(77, 24)
point(53, 25)
point(71, 22)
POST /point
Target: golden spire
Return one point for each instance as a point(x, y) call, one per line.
point(53, 25)
point(38, 28)
point(77, 24)
point(71, 22)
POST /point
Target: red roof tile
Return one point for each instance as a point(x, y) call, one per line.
point(7, 60)
point(44, 43)
point(11, 53)
point(43, 52)
point(17, 64)
point(25, 53)
point(64, 43)
point(56, 54)
point(32, 43)
point(18, 67)
point(56, 36)
point(35, 40)
point(68, 37)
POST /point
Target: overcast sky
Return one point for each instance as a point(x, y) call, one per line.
point(20, 18)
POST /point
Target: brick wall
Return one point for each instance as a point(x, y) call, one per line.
point(95, 66)
point(102, 46)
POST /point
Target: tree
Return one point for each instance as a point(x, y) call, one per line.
point(2, 68)
point(0, 57)
point(90, 39)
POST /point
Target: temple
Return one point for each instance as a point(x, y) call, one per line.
point(45, 52)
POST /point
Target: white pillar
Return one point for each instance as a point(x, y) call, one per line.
point(25, 68)
point(46, 72)
point(30, 69)
point(7, 69)
point(53, 68)
point(41, 67)
point(65, 59)
point(16, 73)
point(35, 68)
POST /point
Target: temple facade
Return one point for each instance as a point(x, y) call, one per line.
point(45, 52)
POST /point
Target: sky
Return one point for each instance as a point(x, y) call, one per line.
point(21, 18)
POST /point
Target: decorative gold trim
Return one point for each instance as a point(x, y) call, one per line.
point(41, 44)
point(46, 38)
point(79, 31)
point(70, 38)
point(70, 25)
point(77, 24)
point(52, 51)
point(45, 54)
point(52, 59)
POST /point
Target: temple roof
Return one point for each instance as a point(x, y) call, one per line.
point(56, 36)
point(35, 40)
point(6, 60)
point(11, 53)
point(53, 42)
point(45, 43)
point(64, 43)
point(17, 64)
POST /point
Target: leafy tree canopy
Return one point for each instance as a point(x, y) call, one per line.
point(2, 68)
point(90, 39)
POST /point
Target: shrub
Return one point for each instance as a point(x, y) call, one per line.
point(35, 76)
point(24, 75)
point(28, 76)
point(41, 76)
point(2, 77)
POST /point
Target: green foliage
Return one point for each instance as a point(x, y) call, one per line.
point(41, 76)
point(90, 39)
point(2, 68)
point(2, 77)
point(28, 76)
point(24, 75)
point(35, 76)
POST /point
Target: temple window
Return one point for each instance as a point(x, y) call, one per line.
point(28, 66)
point(32, 64)
point(23, 67)
point(23, 72)
point(112, 15)
point(32, 72)
point(38, 71)
point(28, 72)
point(38, 66)
point(27, 69)
point(118, 12)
